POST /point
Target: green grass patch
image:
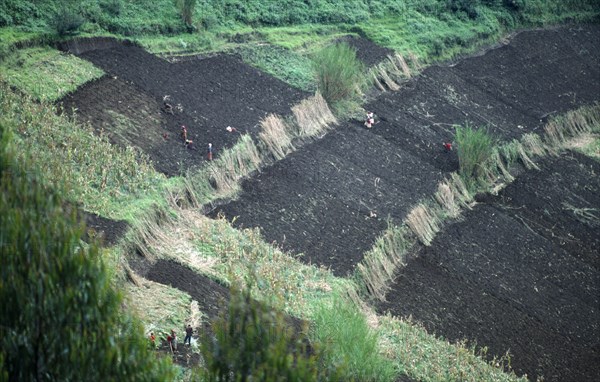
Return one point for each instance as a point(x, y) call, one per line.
point(12, 38)
point(429, 359)
point(47, 74)
point(432, 38)
point(114, 182)
point(343, 332)
point(159, 307)
point(285, 64)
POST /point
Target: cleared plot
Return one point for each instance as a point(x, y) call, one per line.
point(511, 90)
point(319, 201)
point(207, 95)
point(330, 200)
point(505, 279)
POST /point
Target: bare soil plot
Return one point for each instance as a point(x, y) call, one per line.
point(330, 200)
point(387, 169)
point(511, 90)
point(519, 273)
point(208, 94)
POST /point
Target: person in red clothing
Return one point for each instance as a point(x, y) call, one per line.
point(370, 120)
point(448, 146)
point(172, 340)
point(152, 340)
point(210, 151)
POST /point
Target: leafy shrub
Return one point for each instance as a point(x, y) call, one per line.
point(186, 8)
point(254, 342)
point(475, 147)
point(339, 73)
point(112, 7)
point(66, 22)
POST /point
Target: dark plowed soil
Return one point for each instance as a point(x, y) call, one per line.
point(331, 200)
point(208, 94)
point(503, 278)
point(108, 231)
point(211, 296)
point(367, 51)
point(319, 200)
point(571, 217)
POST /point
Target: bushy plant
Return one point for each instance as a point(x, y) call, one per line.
point(187, 7)
point(475, 147)
point(254, 342)
point(67, 22)
point(112, 7)
point(340, 75)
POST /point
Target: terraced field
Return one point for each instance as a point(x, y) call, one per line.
point(517, 273)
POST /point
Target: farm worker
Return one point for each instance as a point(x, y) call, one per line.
point(168, 108)
point(184, 133)
point(188, 335)
point(210, 151)
point(231, 129)
point(370, 120)
point(152, 340)
point(186, 141)
point(448, 146)
point(172, 340)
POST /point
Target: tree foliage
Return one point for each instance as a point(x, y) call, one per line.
point(253, 342)
point(60, 318)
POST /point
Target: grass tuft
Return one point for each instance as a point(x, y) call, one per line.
point(313, 116)
point(276, 136)
point(424, 222)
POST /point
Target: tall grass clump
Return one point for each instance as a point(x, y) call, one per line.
point(255, 342)
point(475, 147)
point(342, 330)
point(340, 75)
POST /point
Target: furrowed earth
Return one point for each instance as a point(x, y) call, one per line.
point(518, 273)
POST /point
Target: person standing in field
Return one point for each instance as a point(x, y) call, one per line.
point(370, 120)
point(172, 340)
point(188, 335)
point(210, 151)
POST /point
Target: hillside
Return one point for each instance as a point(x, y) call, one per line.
point(362, 253)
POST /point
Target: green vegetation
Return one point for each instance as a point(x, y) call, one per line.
point(117, 183)
point(295, 69)
point(340, 75)
point(104, 178)
point(347, 339)
point(475, 147)
point(61, 318)
point(47, 74)
point(254, 342)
